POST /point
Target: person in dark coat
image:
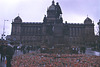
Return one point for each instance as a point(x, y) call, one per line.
point(9, 55)
point(2, 52)
point(28, 48)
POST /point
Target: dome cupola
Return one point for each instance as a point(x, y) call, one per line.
point(18, 19)
point(54, 11)
point(87, 21)
point(52, 7)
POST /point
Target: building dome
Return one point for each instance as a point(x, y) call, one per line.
point(52, 7)
point(17, 19)
point(87, 20)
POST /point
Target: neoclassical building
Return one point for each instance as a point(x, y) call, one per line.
point(53, 31)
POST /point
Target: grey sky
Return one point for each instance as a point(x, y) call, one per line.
point(74, 11)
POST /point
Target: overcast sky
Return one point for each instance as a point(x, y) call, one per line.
point(74, 11)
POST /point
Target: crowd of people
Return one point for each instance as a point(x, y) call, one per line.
point(55, 60)
point(37, 59)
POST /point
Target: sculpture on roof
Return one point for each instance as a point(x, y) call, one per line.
point(58, 10)
point(54, 10)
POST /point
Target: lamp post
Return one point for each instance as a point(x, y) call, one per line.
point(3, 35)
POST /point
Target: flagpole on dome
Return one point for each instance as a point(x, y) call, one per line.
point(87, 15)
point(18, 14)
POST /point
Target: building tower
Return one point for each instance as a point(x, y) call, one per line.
point(16, 29)
point(89, 31)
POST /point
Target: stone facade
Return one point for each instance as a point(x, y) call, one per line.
point(52, 31)
point(99, 33)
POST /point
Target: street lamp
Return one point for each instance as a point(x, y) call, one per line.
point(3, 35)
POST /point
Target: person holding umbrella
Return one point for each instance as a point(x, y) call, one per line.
point(9, 54)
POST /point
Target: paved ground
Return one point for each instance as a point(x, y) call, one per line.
point(18, 52)
point(2, 64)
point(90, 52)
